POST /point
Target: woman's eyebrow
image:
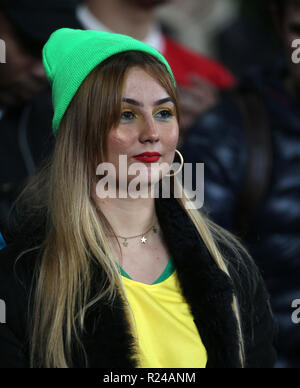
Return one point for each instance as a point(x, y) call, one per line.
point(131, 101)
point(163, 101)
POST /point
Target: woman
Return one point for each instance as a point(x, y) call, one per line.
point(122, 282)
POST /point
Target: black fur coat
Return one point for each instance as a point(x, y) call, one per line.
point(208, 291)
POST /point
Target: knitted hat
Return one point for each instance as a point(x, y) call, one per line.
point(70, 55)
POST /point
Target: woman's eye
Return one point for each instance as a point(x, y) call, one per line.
point(164, 115)
point(127, 116)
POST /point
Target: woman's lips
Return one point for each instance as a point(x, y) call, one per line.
point(148, 157)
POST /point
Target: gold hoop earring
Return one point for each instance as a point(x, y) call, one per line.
point(181, 165)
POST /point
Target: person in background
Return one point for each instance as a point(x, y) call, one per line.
point(200, 79)
point(250, 144)
point(252, 24)
point(196, 23)
point(25, 99)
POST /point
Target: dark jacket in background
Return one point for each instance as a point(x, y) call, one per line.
point(25, 140)
point(219, 141)
point(207, 290)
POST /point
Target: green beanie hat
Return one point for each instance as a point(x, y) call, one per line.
point(70, 55)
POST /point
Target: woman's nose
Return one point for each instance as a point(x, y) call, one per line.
point(150, 131)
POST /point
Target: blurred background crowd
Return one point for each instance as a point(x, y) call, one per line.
point(239, 93)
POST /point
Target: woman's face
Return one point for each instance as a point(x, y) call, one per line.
point(148, 124)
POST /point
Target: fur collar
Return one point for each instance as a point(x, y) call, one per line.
point(207, 290)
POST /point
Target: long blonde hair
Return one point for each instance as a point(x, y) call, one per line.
point(75, 232)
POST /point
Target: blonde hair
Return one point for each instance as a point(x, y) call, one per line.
point(211, 235)
point(75, 231)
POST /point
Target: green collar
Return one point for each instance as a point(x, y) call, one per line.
point(164, 276)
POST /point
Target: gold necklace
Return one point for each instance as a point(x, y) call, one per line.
point(143, 239)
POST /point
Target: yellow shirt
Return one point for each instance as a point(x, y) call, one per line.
point(167, 335)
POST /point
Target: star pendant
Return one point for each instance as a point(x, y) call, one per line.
point(143, 240)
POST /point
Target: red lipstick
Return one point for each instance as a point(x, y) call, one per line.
point(148, 157)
